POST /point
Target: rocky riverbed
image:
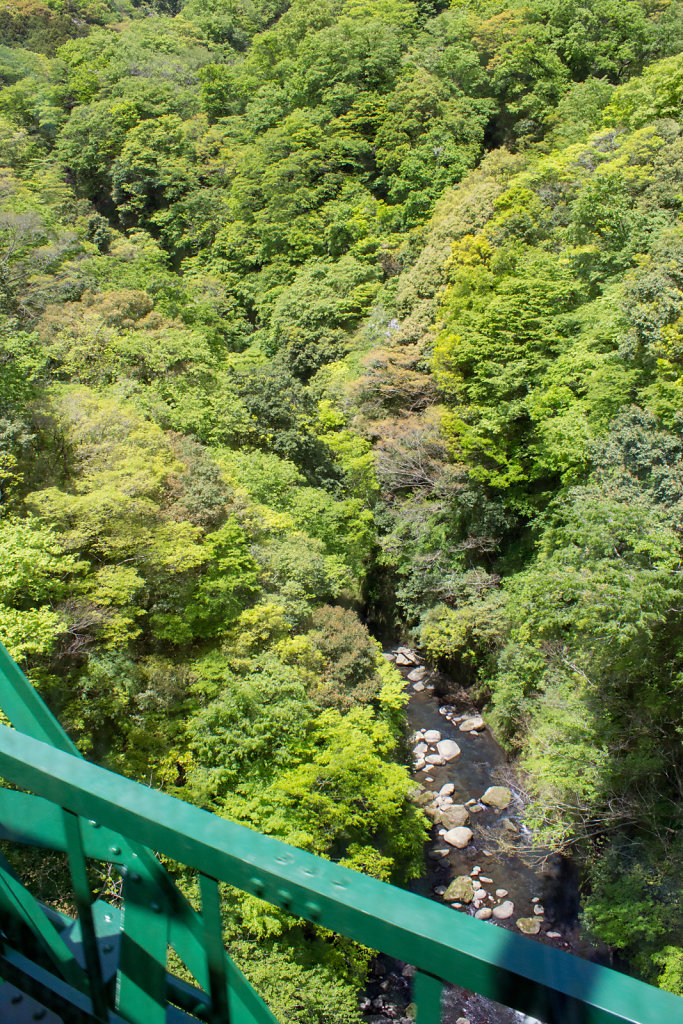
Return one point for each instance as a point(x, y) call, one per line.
point(479, 859)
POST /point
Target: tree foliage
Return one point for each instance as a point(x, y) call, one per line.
point(310, 311)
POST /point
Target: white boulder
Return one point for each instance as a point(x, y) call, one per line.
point(448, 749)
point(497, 796)
point(458, 837)
point(417, 674)
point(472, 724)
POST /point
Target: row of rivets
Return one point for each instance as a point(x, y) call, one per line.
point(284, 898)
point(37, 1014)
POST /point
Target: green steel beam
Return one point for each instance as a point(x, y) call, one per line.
point(25, 709)
point(71, 1003)
point(248, 1007)
point(509, 968)
point(141, 982)
point(29, 715)
point(215, 953)
point(83, 897)
point(37, 822)
point(20, 911)
point(427, 992)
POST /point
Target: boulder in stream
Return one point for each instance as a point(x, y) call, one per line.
point(504, 910)
point(447, 789)
point(529, 925)
point(420, 796)
point(497, 796)
point(483, 914)
point(417, 674)
point(418, 687)
point(472, 724)
point(410, 656)
point(435, 759)
point(454, 817)
point(432, 735)
point(461, 888)
point(448, 749)
point(458, 837)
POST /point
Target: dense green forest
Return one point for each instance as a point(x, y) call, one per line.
point(330, 313)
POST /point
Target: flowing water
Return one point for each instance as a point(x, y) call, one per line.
point(500, 848)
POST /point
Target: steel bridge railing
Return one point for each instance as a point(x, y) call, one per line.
point(112, 966)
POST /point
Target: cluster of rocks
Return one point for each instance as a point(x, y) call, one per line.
point(471, 890)
point(419, 674)
point(442, 810)
point(459, 835)
point(468, 722)
point(474, 893)
point(431, 750)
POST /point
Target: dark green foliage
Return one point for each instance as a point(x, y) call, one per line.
point(312, 318)
point(281, 414)
point(348, 672)
point(304, 302)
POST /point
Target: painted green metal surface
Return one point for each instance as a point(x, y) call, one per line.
point(88, 812)
point(31, 819)
point(542, 981)
point(427, 992)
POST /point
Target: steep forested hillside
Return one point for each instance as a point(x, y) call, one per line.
point(330, 313)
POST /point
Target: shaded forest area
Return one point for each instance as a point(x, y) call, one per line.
point(319, 314)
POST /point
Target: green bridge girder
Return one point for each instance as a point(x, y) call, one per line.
point(111, 966)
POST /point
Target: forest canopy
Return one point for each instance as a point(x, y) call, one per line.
point(327, 321)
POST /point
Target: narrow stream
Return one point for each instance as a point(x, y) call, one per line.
point(499, 858)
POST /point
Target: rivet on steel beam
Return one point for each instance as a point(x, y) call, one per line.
point(312, 910)
point(155, 907)
point(95, 824)
point(39, 1014)
point(284, 897)
point(257, 885)
point(16, 999)
point(116, 850)
point(135, 877)
point(109, 948)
